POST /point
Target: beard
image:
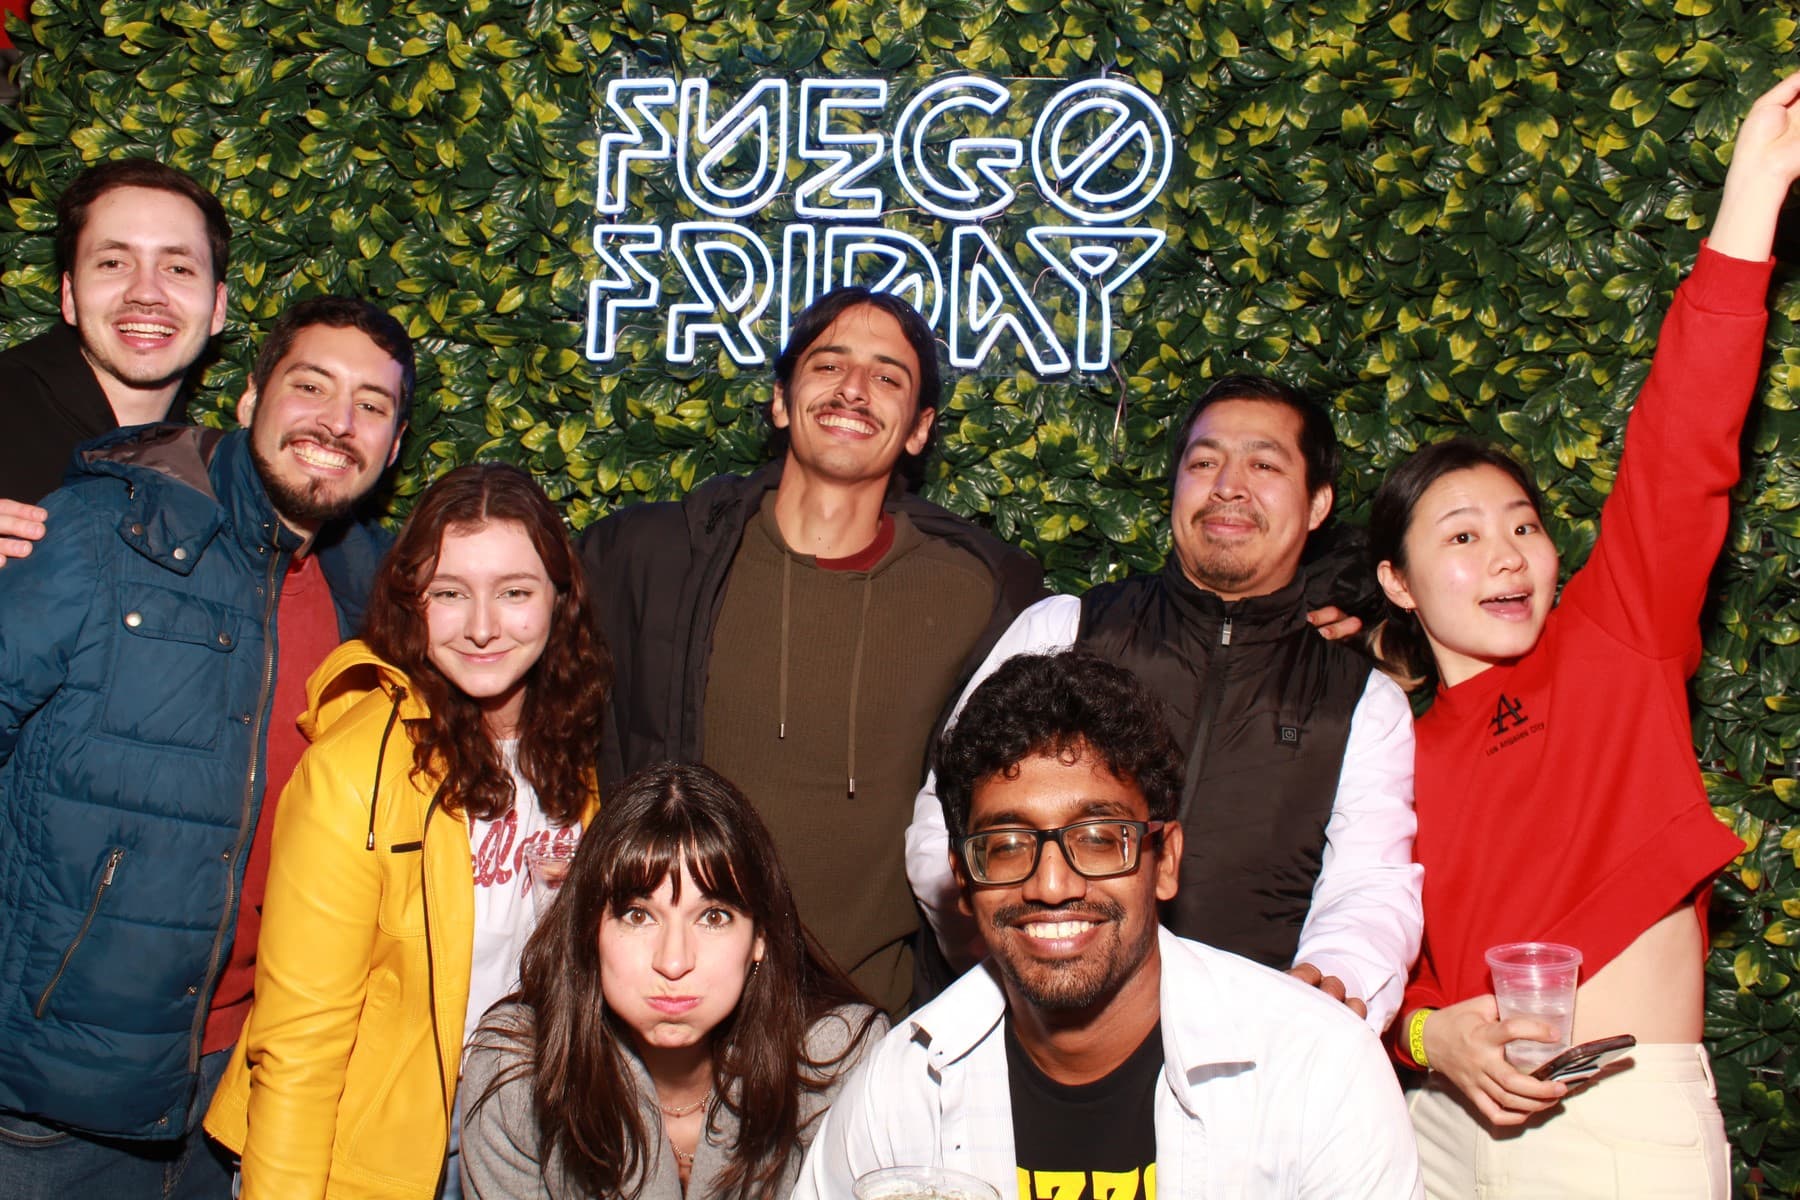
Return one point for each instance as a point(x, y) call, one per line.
point(1071, 984)
point(312, 502)
point(1219, 566)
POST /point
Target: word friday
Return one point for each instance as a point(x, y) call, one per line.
point(1099, 153)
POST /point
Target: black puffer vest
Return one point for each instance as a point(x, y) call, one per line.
point(1262, 705)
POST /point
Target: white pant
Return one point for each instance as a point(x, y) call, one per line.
point(1647, 1127)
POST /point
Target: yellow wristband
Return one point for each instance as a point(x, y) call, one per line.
point(1415, 1036)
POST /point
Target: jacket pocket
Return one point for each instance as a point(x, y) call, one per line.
point(390, 1119)
point(171, 673)
point(107, 871)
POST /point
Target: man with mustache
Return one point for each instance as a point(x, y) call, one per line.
point(143, 250)
point(154, 651)
point(800, 629)
point(1297, 797)
point(1094, 1054)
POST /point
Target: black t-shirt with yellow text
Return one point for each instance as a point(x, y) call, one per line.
point(1091, 1141)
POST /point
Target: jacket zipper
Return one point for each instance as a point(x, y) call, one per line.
point(264, 701)
point(437, 1040)
point(106, 878)
point(1203, 719)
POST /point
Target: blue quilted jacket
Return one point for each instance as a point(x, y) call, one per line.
point(137, 661)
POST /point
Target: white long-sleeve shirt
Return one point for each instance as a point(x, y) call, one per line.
point(1365, 920)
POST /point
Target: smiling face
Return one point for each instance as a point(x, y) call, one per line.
point(141, 289)
point(488, 609)
point(673, 964)
point(1064, 942)
point(1480, 571)
point(851, 407)
point(1242, 510)
point(326, 425)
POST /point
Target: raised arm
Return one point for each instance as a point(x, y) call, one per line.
point(1044, 628)
point(1666, 518)
point(1764, 164)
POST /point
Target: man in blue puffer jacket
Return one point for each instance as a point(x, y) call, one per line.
point(142, 646)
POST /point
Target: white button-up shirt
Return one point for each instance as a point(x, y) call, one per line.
point(1268, 1090)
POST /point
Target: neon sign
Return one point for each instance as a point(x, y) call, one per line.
point(814, 165)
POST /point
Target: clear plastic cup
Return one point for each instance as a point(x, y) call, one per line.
point(1536, 980)
point(922, 1183)
point(546, 866)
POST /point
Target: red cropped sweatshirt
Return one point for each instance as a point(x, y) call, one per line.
point(1558, 797)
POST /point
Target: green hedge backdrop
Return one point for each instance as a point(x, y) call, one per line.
point(1448, 214)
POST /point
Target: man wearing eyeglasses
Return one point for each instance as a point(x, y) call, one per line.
point(1095, 1054)
point(1297, 795)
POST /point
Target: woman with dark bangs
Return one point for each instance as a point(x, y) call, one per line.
point(677, 1031)
point(460, 731)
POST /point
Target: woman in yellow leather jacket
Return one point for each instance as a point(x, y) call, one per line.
point(461, 729)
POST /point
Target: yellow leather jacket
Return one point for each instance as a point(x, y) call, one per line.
point(348, 1063)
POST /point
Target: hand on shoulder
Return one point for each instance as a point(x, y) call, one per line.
point(20, 525)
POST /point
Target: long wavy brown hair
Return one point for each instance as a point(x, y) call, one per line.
point(575, 1051)
point(565, 690)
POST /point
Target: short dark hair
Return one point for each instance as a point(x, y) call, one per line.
point(1037, 704)
point(811, 324)
point(338, 312)
point(72, 206)
point(1318, 440)
point(1399, 639)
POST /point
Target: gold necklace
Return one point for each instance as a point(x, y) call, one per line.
point(683, 1110)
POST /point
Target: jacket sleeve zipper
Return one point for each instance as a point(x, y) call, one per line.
point(87, 922)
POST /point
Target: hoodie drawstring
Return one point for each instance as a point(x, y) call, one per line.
point(862, 632)
point(380, 754)
point(787, 591)
point(856, 664)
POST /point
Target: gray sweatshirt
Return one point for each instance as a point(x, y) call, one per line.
point(501, 1158)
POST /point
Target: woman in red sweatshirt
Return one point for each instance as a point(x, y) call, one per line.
point(1557, 793)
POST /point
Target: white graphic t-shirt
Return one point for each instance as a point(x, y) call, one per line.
point(504, 914)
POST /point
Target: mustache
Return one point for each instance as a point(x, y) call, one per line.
point(1097, 910)
point(325, 438)
point(839, 404)
point(1232, 512)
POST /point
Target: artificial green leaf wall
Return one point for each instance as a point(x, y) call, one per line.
point(1442, 215)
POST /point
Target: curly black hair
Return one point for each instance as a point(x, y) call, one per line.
point(1058, 704)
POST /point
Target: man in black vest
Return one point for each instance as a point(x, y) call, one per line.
point(1297, 799)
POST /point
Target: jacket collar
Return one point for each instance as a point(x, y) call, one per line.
point(1254, 619)
point(185, 484)
point(733, 501)
point(239, 487)
point(1200, 1038)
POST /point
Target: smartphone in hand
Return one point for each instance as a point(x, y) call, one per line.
point(1583, 1062)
